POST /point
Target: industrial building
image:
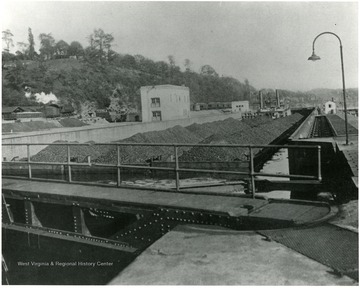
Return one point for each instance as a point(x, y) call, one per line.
point(240, 106)
point(164, 102)
point(277, 110)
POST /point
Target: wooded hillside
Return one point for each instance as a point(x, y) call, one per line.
point(97, 74)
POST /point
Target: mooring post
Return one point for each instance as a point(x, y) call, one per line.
point(252, 184)
point(118, 166)
point(177, 181)
point(319, 163)
point(29, 159)
point(68, 163)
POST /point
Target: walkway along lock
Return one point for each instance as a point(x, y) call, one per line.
point(252, 174)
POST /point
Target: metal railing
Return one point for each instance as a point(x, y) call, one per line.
point(176, 169)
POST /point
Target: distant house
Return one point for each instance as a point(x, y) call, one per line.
point(26, 112)
point(164, 102)
point(9, 113)
point(330, 107)
point(54, 110)
point(32, 108)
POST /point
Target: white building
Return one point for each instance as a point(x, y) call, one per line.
point(240, 106)
point(164, 102)
point(330, 107)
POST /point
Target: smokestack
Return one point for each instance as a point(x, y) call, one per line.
point(261, 100)
point(277, 99)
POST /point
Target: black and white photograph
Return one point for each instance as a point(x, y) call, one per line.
point(179, 143)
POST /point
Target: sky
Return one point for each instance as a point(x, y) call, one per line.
point(267, 43)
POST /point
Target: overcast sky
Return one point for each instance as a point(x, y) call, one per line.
point(267, 43)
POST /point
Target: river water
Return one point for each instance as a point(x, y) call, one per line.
point(278, 164)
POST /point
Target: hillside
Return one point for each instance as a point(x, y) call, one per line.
point(337, 95)
point(312, 98)
point(76, 81)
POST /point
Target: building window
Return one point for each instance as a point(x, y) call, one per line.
point(156, 116)
point(155, 102)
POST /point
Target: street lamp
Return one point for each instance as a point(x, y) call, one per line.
point(314, 57)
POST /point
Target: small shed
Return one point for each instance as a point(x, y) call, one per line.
point(52, 110)
point(330, 107)
point(133, 117)
point(9, 113)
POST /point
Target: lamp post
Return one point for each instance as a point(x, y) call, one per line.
point(314, 57)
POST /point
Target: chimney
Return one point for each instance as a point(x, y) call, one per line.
point(261, 100)
point(277, 99)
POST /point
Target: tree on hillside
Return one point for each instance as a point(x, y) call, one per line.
point(171, 59)
point(145, 65)
point(87, 108)
point(15, 77)
point(7, 38)
point(31, 44)
point(187, 64)
point(174, 72)
point(22, 46)
point(20, 55)
point(207, 70)
point(61, 49)
point(6, 56)
point(161, 69)
point(128, 61)
point(47, 46)
point(247, 86)
point(76, 49)
point(100, 43)
point(139, 58)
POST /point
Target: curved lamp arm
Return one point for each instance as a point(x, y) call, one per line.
point(314, 57)
point(326, 33)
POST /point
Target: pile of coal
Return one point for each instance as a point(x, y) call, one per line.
point(78, 153)
point(261, 134)
point(261, 130)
